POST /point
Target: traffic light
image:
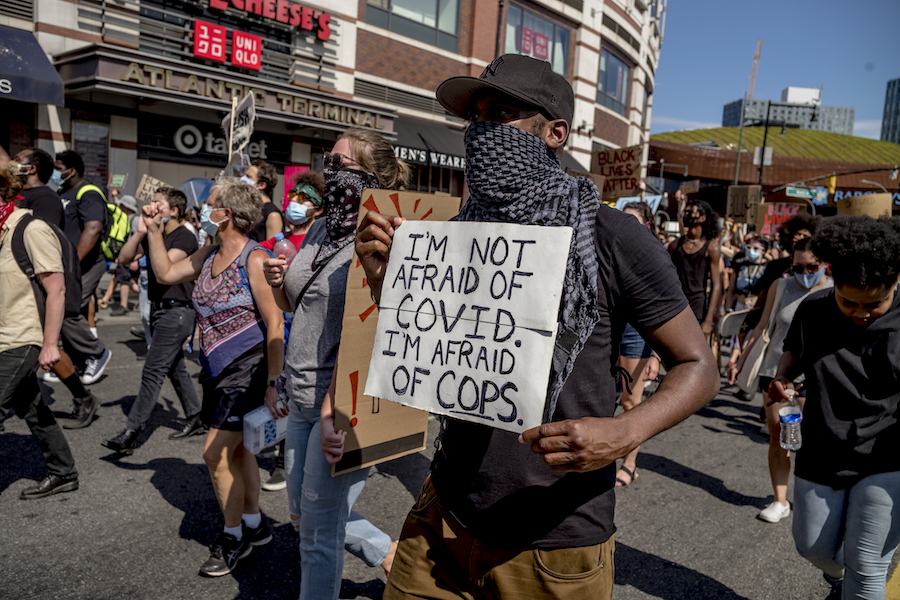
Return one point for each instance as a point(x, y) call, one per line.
point(832, 184)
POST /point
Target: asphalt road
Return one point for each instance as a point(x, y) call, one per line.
point(139, 526)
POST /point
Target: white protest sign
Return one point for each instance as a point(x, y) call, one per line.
point(241, 128)
point(468, 319)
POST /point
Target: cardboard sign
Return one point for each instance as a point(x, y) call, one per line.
point(377, 430)
point(117, 181)
point(621, 168)
point(874, 205)
point(241, 128)
point(147, 189)
point(652, 201)
point(468, 318)
point(690, 187)
point(743, 203)
point(772, 214)
point(598, 180)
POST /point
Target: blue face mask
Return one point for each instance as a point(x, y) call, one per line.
point(296, 213)
point(57, 178)
point(810, 280)
point(208, 225)
point(753, 254)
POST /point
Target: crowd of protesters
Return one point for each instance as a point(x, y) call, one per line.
point(817, 311)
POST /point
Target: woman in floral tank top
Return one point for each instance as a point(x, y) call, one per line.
point(242, 353)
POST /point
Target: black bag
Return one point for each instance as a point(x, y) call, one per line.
point(71, 265)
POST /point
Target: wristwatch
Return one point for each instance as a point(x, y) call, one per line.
point(270, 383)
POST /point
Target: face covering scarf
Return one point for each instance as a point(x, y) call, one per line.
point(513, 177)
point(343, 192)
point(6, 210)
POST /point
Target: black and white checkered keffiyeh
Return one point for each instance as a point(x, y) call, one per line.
point(513, 177)
point(343, 192)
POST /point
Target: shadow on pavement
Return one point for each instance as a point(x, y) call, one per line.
point(715, 487)
point(411, 470)
point(372, 589)
point(28, 461)
point(661, 578)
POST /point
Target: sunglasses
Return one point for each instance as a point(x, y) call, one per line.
point(334, 161)
point(802, 269)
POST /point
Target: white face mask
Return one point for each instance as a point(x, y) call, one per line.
point(248, 181)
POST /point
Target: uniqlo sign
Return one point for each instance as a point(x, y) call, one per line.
point(526, 40)
point(209, 41)
point(246, 50)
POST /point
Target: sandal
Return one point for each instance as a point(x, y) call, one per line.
point(631, 474)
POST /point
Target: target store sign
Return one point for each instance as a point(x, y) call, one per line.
point(246, 50)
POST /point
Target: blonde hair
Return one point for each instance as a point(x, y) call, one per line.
point(244, 201)
point(376, 155)
point(10, 184)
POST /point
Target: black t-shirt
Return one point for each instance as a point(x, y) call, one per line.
point(91, 207)
point(498, 488)
point(45, 204)
point(849, 427)
point(181, 239)
point(258, 231)
point(774, 270)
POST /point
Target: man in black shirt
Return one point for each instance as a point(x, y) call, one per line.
point(171, 323)
point(532, 515)
point(85, 216)
point(37, 168)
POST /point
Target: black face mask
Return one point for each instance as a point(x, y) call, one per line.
point(688, 220)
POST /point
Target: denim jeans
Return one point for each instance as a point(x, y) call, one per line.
point(144, 303)
point(328, 524)
point(850, 533)
point(170, 327)
point(19, 391)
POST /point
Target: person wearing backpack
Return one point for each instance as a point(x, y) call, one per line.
point(26, 342)
point(86, 216)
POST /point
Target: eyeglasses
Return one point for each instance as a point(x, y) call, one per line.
point(804, 269)
point(760, 248)
point(334, 161)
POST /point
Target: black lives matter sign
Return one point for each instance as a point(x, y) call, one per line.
point(468, 319)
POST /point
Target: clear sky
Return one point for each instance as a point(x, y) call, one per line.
point(851, 47)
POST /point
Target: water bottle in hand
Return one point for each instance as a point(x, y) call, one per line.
point(284, 247)
point(789, 417)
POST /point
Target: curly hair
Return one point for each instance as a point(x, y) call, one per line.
point(863, 252)
point(376, 155)
point(795, 225)
point(313, 178)
point(711, 225)
point(10, 184)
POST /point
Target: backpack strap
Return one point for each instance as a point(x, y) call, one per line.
point(89, 187)
point(24, 262)
point(249, 247)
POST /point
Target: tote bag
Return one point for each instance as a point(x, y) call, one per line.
point(748, 378)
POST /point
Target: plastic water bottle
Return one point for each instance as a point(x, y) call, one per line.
point(790, 417)
point(284, 247)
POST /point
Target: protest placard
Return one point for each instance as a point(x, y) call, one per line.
point(117, 181)
point(468, 318)
point(652, 200)
point(597, 179)
point(874, 205)
point(147, 189)
point(377, 430)
point(771, 215)
point(690, 187)
point(240, 127)
point(621, 169)
point(743, 203)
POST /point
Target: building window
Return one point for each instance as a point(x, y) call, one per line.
point(612, 86)
point(531, 35)
point(430, 21)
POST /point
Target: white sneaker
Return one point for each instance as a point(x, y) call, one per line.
point(50, 377)
point(764, 430)
point(774, 512)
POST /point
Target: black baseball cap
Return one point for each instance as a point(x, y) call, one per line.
point(523, 78)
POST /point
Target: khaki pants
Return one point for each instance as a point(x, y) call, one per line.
point(437, 559)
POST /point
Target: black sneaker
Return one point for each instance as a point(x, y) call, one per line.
point(224, 555)
point(259, 536)
point(83, 413)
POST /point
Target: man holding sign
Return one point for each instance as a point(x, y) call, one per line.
point(531, 514)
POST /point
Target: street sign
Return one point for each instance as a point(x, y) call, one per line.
point(799, 192)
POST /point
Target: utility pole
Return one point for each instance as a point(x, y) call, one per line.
point(737, 163)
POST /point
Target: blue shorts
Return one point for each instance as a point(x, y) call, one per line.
point(633, 345)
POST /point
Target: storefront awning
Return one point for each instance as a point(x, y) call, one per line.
point(25, 71)
point(429, 143)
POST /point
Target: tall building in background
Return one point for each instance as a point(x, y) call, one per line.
point(804, 104)
point(890, 122)
point(147, 82)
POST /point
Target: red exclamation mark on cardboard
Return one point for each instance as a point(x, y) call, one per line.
point(354, 384)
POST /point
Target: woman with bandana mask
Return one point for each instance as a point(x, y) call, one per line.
point(808, 276)
point(360, 159)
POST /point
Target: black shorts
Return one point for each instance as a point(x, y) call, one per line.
point(240, 388)
point(123, 274)
point(764, 383)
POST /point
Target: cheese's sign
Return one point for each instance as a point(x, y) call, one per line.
point(283, 11)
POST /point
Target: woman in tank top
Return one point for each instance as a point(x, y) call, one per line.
point(242, 354)
point(808, 276)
